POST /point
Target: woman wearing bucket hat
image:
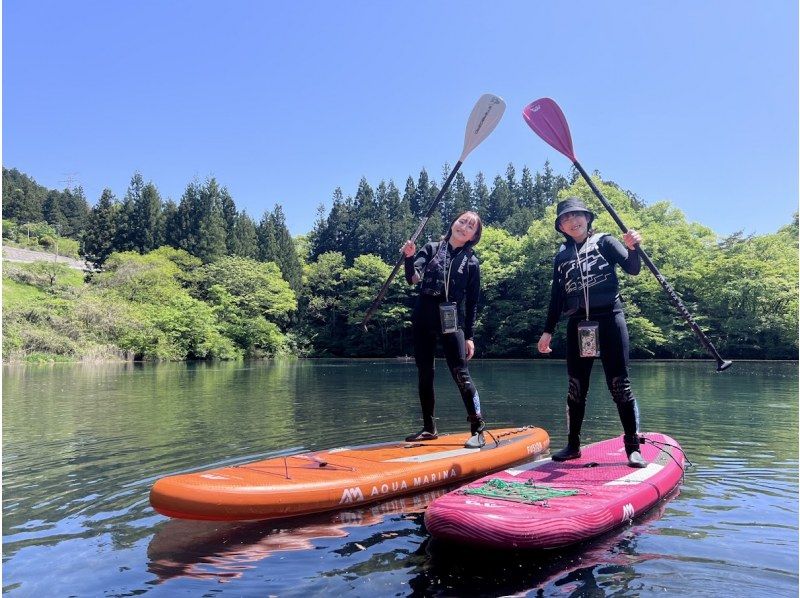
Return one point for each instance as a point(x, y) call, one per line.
point(446, 308)
point(586, 290)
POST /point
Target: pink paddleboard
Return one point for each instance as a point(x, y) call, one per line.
point(603, 493)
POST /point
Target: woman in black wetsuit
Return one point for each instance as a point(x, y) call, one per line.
point(445, 310)
point(584, 274)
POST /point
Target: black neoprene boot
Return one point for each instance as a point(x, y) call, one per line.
point(575, 412)
point(571, 451)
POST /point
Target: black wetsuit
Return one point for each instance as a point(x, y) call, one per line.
point(436, 265)
point(598, 256)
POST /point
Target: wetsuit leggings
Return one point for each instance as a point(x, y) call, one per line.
point(427, 331)
point(614, 347)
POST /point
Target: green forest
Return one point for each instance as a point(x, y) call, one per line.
point(202, 279)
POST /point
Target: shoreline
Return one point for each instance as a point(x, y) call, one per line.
point(364, 359)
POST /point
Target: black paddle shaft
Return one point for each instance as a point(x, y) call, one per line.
point(382, 293)
point(722, 364)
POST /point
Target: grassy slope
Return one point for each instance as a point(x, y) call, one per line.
point(18, 296)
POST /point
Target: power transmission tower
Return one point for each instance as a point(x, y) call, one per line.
point(70, 179)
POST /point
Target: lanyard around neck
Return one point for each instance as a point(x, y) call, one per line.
point(449, 269)
point(584, 277)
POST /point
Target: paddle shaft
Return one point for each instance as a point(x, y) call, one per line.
point(382, 293)
point(722, 364)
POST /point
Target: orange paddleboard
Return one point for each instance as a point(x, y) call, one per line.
point(339, 478)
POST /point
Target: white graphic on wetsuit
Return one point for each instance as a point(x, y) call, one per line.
point(595, 266)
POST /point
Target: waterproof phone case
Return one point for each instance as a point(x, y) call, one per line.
point(449, 317)
point(589, 339)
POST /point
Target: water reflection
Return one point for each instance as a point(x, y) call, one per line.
point(212, 549)
point(224, 551)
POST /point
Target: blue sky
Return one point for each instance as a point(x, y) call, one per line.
point(282, 102)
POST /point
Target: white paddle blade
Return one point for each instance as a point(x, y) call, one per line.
point(485, 115)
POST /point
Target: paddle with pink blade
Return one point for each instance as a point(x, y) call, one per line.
point(548, 122)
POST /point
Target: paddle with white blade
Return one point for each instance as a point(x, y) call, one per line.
point(482, 121)
point(548, 122)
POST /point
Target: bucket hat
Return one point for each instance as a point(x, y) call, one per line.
point(573, 204)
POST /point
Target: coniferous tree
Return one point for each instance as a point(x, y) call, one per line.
point(127, 225)
point(148, 217)
point(480, 194)
point(211, 224)
point(244, 240)
point(418, 204)
point(399, 221)
point(213, 241)
point(539, 196)
point(185, 220)
point(382, 225)
point(526, 192)
point(410, 197)
point(523, 214)
point(462, 196)
point(200, 222)
point(336, 234)
point(97, 241)
point(265, 236)
point(367, 237)
point(22, 197)
point(549, 184)
point(436, 225)
point(229, 215)
point(318, 233)
point(52, 211)
point(500, 203)
point(171, 224)
point(513, 186)
point(446, 205)
point(426, 193)
point(14, 203)
point(75, 209)
point(286, 253)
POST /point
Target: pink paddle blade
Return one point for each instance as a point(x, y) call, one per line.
point(548, 122)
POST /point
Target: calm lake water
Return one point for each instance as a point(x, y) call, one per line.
point(83, 444)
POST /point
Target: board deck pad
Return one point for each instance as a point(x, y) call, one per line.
point(607, 493)
point(339, 478)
